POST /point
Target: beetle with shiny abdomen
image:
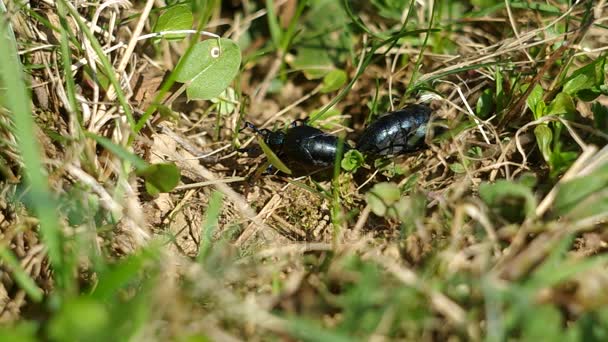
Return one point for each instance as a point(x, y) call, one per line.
point(302, 148)
point(396, 133)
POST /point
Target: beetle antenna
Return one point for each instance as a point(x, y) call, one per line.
point(253, 127)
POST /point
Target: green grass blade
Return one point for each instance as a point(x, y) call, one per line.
point(119, 151)
point(21, 277)
point(109, 70)
point(66, 59)
point(18, 102)
point(211, 222)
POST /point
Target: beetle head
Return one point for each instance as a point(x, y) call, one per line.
point(274, 139)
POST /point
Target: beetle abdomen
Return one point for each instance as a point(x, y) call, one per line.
point(309, 145)
point(322, 149)
point(396, 132)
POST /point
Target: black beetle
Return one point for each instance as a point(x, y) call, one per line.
point(396, 132)
point(302, 148)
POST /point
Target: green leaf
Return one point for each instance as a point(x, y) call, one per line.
point(544, 323)
point(560, 161)
point(333, 81)
point(175, 18)
point(272, 157)
point(544, 136)
point(600, 116)
point(114, 278)
point(457, 168)
point(160, 177)
point(485, 104)
point(79, 319)
point(572, 193)
point(587, 80)
point(18, 102)
point(382, 196)
point(314, 62)
point(119, 151)
point(562, 105)
point(501, 96)
point(535, 102)
point(209, 68)
point(513, 201)
point(22, 331)
point(352, 160)
point(273, 24)
point(331, 118)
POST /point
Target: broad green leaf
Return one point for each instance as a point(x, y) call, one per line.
point(272, 157)
point(160, 177)
point(457, 168)
point(560, 161)
point(513, 201)
point(333, 81)
point(572, 193)
point(314, 62)
point(600, 116)
point(562, 105)
point(544, 136)
point(209, 68)
point(528, 179)
point(485, 104)
point(22, 330)
point(331, 118)
point(352, 160)
point(588, 77)
point(173, 19)
point(79, 319)
point(535, 102)
point(382, 196)
point(544, 323)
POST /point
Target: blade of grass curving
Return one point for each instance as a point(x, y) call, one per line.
point(415, 72)
point(10, 34)
point(211, 222)
point(66, 59)
point(273, 24)
point(426, 78)
point(119, 151)
point(18, 102)
point(109, 70)
point(337, 218)
point(272, 157)
point(21, 277)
